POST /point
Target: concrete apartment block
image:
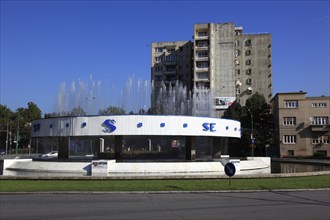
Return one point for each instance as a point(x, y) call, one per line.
point(171, 63)
point(301, 124)
point(233, 65)
point(253, 66)
point(214, 58)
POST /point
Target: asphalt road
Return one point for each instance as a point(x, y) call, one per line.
point(247, 205)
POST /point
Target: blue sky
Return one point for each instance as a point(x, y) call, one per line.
point(46, 43)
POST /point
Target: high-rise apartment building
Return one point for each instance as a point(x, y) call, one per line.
point(214, 50)
point(302, 126)
point(253, 65)
point(170, 63)
point(231, 64)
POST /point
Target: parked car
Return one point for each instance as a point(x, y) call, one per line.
point(51, 154)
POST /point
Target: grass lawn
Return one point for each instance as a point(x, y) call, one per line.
point(310, 182)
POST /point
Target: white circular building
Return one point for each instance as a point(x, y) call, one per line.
point(130, 136)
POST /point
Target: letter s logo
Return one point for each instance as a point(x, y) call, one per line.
point(109, 126)
point(206, 126)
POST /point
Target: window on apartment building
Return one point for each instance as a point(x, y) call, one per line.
point(314, 105)
point(248, 52)
point(202, 64)
point(170, 50)
point(237, 53)
point(248, 62)
point(289, 139)
point(170, 68)
point(248, 43)
point(289, 120)
point(203, 75)
point(170, 58)
point(291, 104)
point(202, 33)
point(158, 49)
point(158, 68)
point(323, 139)
point(202, 43)
point(203, 54)
point(238, 72)
point(322, 105)
point(319, 120)
point(248, 71)
point(158, 78)
point(158, 59)
point(237, 43)
point(249, 81)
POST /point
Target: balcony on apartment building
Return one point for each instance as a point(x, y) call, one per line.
point(201, 35)
point(202, 66)
point(170, 59)
point(201, 45)
point(202, 56)
point(170, 80)
point(170, 70)
point(202, 77)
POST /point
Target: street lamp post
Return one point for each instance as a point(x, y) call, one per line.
point(252, 138)
point(7, 138)
point(17, 134)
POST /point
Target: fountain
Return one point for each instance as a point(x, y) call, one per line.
point(92, 96)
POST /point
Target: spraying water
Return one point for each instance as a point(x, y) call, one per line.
point(91, 96)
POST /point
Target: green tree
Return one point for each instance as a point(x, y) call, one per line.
point(259, 123)
point(6, 116)
point(77, 111)
point(236, 146)
point(23, 123)
point(256, 119)
point(112, 110)
point(6, 124)
point(233, 112)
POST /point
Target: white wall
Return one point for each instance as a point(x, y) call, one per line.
point(137, 125)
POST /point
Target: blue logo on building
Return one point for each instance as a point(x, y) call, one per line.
point(209, 127)
point(108, 126)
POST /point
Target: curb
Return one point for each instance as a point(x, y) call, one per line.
point(165, 192)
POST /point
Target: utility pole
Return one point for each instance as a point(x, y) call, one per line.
point(7, 139)
point(252, 137)
point(17, 134)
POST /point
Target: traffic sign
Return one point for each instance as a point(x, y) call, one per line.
point(230, 169)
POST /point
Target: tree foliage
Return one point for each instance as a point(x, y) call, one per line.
point(78, 111)
point(6, 116)
point(112, 110)
point(256, 119)
point(233, 112)
point(18, 123)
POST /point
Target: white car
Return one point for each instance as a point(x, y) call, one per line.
point(51, 154)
